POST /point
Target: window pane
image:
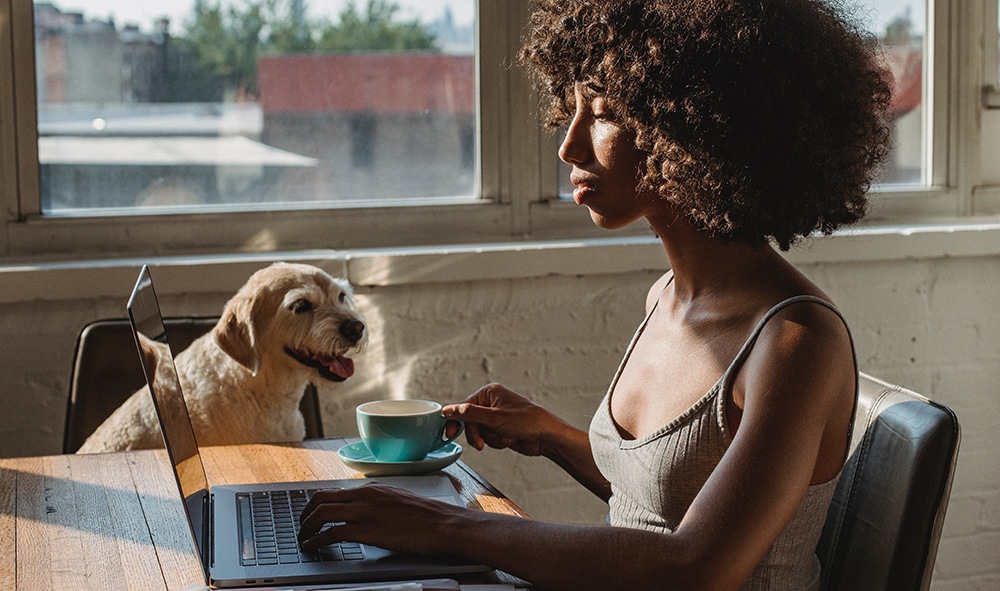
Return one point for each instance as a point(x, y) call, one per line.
point(253, 103)
point(900, 27)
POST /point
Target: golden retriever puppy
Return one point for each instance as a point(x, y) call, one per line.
point(288, 326)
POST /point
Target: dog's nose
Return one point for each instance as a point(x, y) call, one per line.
point(352, 330)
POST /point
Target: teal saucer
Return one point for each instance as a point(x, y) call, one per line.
point(357, 456)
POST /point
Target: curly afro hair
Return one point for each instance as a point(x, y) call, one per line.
point(762, 119)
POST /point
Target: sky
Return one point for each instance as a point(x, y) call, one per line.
point(146, 12)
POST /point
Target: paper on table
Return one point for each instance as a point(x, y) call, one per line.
point(356, 587)
point(382, 587)
point(425, 585)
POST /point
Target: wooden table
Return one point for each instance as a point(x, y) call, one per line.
point(115, 521)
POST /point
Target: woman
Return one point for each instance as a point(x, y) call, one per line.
point(731, 127)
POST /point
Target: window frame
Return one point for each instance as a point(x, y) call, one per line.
point(516, 172)
point(991, 59)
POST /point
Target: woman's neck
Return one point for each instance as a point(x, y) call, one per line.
point(705, 265)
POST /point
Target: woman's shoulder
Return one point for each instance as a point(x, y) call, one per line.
point(795, 311)
point(799, 329)
point(800, 335)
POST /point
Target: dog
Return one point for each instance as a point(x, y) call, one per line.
point(290, 325)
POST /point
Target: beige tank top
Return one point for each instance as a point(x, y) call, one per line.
point(655, 478)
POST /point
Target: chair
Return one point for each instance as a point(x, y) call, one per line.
point(884, 523)
point(106, 371)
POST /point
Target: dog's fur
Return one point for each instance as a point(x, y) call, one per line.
point(288, 326)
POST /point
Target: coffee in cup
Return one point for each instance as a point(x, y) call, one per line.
point(403, 430)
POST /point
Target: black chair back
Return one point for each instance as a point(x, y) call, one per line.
point(884, 523)
point(106, 371)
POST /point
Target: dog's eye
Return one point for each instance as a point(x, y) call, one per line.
point(342, 297)
point(301, 306)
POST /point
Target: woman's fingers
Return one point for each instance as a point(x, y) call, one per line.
point(478, 422)
point(373, 514)
point(470, 413)
point(339, 506)
point(330, 535)
point(323, 508)
point(473, 436)
point(499, 427)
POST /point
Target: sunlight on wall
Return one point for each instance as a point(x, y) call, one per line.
point(379, 373)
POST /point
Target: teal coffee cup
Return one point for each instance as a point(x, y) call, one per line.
point(403, 430)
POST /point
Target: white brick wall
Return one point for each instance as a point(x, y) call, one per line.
point(932, 325)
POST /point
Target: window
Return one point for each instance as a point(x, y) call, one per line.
point(185, 168)
point(900, 27)
point(240, 104)
point(269, 183)
point(991, 62)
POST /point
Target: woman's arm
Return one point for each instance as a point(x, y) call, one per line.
point(792, 388)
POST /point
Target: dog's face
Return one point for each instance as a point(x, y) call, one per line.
point(293, 315)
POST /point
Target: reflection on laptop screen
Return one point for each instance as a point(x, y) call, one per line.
point(161, 373)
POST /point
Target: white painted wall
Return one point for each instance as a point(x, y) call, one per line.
point(553, 323)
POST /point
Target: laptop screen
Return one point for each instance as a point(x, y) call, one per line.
point(161, 374)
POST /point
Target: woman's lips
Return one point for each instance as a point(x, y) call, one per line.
point(581, 192)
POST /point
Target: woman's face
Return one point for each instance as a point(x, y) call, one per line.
point(605, 164)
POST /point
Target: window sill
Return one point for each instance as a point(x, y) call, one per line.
point(968, 237)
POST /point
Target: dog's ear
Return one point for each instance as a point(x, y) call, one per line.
point(235, 332)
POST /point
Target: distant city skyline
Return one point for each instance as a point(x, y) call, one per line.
point(146, 13)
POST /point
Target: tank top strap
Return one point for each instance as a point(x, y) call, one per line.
point(752, 339)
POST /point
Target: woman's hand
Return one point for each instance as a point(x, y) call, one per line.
point(379, 515)
point(499, 418)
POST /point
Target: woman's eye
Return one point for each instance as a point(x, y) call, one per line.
point(602, 111)
point(301, 306)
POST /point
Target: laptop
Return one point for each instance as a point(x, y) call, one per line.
point(245, 535)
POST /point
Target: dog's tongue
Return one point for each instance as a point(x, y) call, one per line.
point(341, 366)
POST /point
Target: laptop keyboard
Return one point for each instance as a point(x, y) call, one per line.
point(273, 535)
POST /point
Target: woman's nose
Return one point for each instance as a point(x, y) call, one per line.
point(574, 146)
